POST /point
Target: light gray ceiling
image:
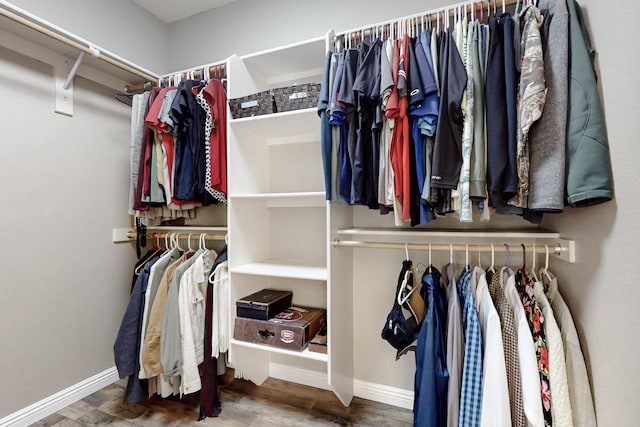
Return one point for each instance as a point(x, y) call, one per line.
point(174, 10)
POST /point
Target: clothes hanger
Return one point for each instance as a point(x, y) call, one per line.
point(524, 259)
point(190, 249)
point(504, 6)
point(493, 259)
point(402, 296)
point(479, 258)
point(508, 267)
point(451, 253)
point(466, 257)
point(532, 272)
point(545, 270)
point(124, 98)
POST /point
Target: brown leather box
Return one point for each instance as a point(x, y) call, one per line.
point(292, 329)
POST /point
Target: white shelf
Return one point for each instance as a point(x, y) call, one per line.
point(284, 269)
point(285, 200)
point(304, 354)
point(289, 127)
point(295, 62)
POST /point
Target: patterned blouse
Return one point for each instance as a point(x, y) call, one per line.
point(535, 318)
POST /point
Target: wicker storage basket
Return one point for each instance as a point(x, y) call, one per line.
point(253, 105)
point(297, 97)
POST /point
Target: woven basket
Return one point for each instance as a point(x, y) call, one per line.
point(297, 97)
point(253, 105)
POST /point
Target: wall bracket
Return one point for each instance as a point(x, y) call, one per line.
point(63, 80)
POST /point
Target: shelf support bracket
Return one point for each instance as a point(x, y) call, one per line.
point(63, 78)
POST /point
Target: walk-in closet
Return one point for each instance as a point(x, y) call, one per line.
point(370, 204)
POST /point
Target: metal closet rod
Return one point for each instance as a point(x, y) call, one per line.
point(554, 249)
point(216, 71)
point(37, 24)
point(431, 15)
point(153, 235)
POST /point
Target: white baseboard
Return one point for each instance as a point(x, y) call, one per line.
point(366, 390)
point(55, 402)
point(383, 394)
point(299, 376)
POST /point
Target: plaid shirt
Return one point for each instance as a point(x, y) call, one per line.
point(471, 392)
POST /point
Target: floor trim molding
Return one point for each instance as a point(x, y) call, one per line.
point(383, 394)
point(47, 406)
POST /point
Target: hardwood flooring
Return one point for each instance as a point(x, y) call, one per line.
point(275, 403)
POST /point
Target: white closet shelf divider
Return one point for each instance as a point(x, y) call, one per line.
point(296, 62)
point(289, 127)
point(304, 354)
point(284, 269)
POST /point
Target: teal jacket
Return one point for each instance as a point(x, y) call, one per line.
point(588, 170)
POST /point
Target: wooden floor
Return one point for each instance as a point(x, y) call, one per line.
point(275, 403)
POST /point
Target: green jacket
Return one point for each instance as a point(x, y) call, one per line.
point(588, 171)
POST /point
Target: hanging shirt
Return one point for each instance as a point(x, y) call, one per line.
point(189, 157)
point(338, 118)
point(424, 114)
point(127, 345)
point(529, 375)
point(209, 401)
point(385, 179)
point(548, 136)
point(511, 91)
point(561, 404)
point(367, 86)
point(151, 347)
point(508, 329)
point(155, 275)
point(536, 322)
point(455, 344)
point(170, 340)
point(144, 173)
point(138, 107)
point(495, 391)
point(531, 96)
point(466, 208)
point(472, 376)
point(447, 150)
point(496, 111)
point(191, 305)
point(578, 379)
point(325, 127)
point(430, 403)
point(350, 101)
point(213, 100)
point(477, 167)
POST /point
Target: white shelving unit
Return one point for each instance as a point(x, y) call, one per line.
point(278, 216)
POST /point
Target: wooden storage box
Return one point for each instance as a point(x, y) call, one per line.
point(292, 329)
point(264, 304)
point(297, 97)
point(253, 105)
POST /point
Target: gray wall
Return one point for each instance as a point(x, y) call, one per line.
point(248, 26)
point(120, 26)
point(64, 283)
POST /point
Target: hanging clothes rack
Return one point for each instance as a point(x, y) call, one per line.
point(31, 21)
point(413, 22)
point(215, 71)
